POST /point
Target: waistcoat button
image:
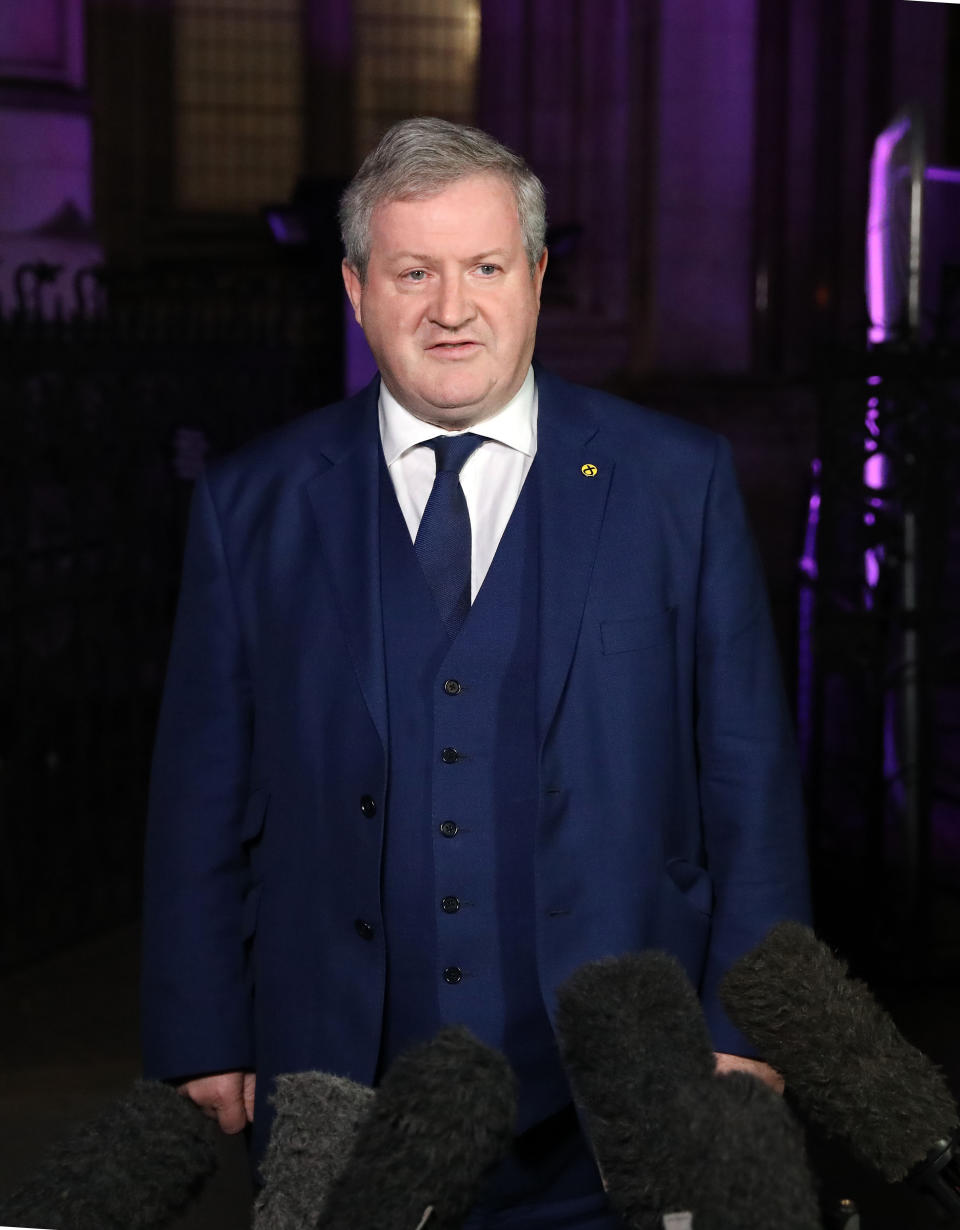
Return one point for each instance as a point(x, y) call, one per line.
point(449, 828)
point(449, 755)
point(368, 806)
point(363, 929)
point(452, 975)
point(452, 687)
point(450, 905)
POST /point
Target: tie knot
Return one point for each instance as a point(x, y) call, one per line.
point(452, 451)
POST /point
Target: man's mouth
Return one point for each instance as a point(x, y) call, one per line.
point(453, 350)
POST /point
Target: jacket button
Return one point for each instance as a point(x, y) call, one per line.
point(452, 687)
point(452, 975)
point(368, 806)
point(449, 828)
point(450, 905)
point(363, 929)
point(449, 755)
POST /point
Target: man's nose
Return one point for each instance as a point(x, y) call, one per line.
point(452, 307)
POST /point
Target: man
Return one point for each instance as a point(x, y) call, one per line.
point(472, 682)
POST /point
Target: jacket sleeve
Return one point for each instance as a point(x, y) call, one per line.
point(196, 1000)
point(749, 782)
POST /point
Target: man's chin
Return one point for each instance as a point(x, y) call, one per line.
point(452, 407)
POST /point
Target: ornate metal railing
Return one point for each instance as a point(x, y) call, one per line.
point(109, 405)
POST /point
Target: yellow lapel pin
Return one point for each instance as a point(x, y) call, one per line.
point(589, 470)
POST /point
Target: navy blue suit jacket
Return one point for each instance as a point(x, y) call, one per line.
point(670, 810)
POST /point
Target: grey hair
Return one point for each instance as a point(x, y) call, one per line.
point(418, 158)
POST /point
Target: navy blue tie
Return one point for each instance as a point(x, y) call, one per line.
point(443, 543)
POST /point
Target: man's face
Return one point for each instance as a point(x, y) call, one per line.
point(449, 306)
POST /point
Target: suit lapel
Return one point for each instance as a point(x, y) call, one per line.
point(345, 502)
point(346, 505)
point(574, 479)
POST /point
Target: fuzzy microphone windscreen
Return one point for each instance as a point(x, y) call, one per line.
point(134, 1167)
point(751, 1172)
point(670, 1136)
point(839, 1052)
point(443, 1116)
point(630, 1024)
point(317, 1119)
point(631, 1033)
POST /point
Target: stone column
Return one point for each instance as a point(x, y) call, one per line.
point(704, 208)
point(560, 84)
point(640, 120)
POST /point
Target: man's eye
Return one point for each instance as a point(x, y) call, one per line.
point(487, 270)
point(416, 275)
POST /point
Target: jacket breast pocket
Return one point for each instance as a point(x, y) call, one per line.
point(627, 635)
point(694, 883)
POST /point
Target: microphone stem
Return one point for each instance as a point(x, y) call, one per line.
point(843, 1215)
point(939, 1175)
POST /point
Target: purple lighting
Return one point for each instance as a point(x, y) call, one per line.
point(808, 560)
point(884, 304)
point(806, 614)
point(876, 471)
point(872, 559)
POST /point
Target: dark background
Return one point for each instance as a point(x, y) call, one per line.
point(169, 287)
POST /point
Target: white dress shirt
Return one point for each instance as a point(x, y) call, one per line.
point(491, 478)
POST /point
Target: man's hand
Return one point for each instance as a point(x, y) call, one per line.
point(762, 1071)
point(226, 1097)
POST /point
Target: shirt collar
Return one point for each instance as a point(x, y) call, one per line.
point(515, 425)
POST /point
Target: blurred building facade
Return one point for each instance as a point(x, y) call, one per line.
point(706, 162)
point(169, 287)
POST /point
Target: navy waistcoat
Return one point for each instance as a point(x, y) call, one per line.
point(459, 904)
point(462, 807)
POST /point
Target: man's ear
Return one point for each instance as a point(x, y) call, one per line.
point(539, 269)
point(351, 280)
